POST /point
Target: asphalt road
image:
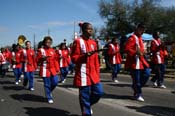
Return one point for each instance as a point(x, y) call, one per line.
point(117, 100)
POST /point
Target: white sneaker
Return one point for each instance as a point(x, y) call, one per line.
point(32, 89)
point(22, 75)
point(50, 101)
point(155, 84)
point(163, 86)
point(19, 81)
point(91, 111)
point(63, 81)
point(116, 81)
point(16, 83)
point(140, 98)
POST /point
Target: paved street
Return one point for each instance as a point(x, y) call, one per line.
point(117, 101)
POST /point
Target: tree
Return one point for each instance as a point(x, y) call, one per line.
point(116, 15)
point(122, 16)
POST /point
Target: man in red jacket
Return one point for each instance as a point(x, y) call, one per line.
point(136, 62)
point(87, 76)
point(49, 67)
point(115, 58)
point(158, 61)
point(29, 65)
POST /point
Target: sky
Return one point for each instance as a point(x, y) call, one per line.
point(29, 17)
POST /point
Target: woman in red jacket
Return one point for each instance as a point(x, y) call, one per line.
point(29, 65)
point(49, 68)
point(64, 61)
point(3, 63)
point(87, 75)
point(16, 59)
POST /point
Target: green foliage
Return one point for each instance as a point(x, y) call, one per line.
point(122, 16)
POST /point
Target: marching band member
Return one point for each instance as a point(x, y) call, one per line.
point(115, 58)
point(49, 67)
point(136, 62)
point(158, 61)
point(64, 61)
point(87, 75)
point(16, 59)
point(71, 65)
point(3, 62)
point(29, 65)
point(7, 54)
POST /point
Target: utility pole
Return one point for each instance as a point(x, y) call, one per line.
point(74, 30)
point(34, 42)
point(75, 34)
point(48, 32)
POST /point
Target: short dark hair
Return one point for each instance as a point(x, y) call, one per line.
point(61, 45)
point(13, 46)
point(140, 25)
point(155, 34)
point(2, 49)
point(27, 42)
point(113, 39)
point(40, 44)
point(47, 38)
point(84, 26)
point(18, 45)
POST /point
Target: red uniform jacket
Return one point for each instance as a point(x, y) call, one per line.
point(158, 56)
point(87, 68)
point(50, 66)
point(2, 59)
point(133, 61)
point(16, 59)
point(63, 58)
point(29, 61)
point(7, 55)
point(115, 58)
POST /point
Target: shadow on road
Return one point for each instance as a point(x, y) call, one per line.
point(28, 97)
point(173, 92)
point(16, 88)
point(155, 110)
point(120, 85)
point(40, 80)
point(10, 76)
point(114, 96)
point(6, 82)
point(106, 81)
point(66, 85)
point(125, 85)
point(46, 111)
